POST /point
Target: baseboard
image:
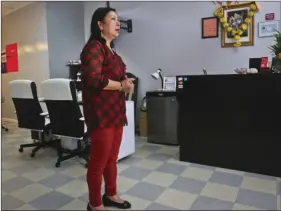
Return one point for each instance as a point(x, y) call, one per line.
point(9, 120)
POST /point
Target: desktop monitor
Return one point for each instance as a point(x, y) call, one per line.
point(255, 63)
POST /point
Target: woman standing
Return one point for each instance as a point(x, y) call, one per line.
point(104, 85)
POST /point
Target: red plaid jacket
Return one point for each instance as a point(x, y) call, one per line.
point(102, 108)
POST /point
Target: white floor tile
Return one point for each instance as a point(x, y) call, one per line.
point(197, 173)
point(75, 171)
point(26, 207)
point(149, 164)
point(75, 188)
point(244, 207)
point(39, 174)
point(259, 184)
point(30, 192)
point(219, 191)
point(137, 203)
point(76, 204)
point(176, 199)
point(161, 179)
point(124, 184)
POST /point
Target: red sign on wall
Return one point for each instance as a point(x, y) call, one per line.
point(12, 64)
point(269, 16)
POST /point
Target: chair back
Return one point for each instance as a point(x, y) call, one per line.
point(64, 112)
point(27, 105)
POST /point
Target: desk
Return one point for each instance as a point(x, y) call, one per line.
point(231, 121)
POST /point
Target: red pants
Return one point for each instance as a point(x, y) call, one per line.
point(105, 144)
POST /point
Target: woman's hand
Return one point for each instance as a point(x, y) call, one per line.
point(127, 84)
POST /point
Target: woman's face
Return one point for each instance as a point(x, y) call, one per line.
point(110, 25)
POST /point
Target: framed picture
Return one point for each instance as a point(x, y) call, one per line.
point(268, 28)
point(210, 27)
point(237, 15)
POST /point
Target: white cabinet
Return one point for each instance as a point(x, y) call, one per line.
point(128, 140)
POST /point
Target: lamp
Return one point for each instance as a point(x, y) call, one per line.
point(156, 75)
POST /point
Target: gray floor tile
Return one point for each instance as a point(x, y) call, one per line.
point(159, 157)
point(156, 206)
point(141, 169)
point(55, 181)
point(10, 203)
point(151, 148)
point(257, 199)
point(146, 191)
point(207, 203)
point(172, 168)
point(226, 179)
point(23, 168)
point(15, 184)
point(188, 185)
point(135, 173)
point(84, 197)
point(130, 160)
point(51, 201)
point(203, 166)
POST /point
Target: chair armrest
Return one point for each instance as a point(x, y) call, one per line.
point(44, 114)
point(82, 119)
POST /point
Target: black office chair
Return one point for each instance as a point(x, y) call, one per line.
point(66, 117)
point(30, 114)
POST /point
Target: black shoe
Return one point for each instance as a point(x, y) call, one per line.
point(89, 208)
point(107, 202)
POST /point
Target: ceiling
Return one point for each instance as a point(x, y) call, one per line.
point(11, 6)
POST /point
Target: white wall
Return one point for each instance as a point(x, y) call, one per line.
point(66, 38)
point(28, 28)
point(167, 35)
point(89, 8)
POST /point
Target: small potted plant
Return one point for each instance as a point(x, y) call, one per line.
point(276, 50)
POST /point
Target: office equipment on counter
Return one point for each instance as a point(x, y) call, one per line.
point(67, 120)
point(260, 64)
point(169, 83)
point(231, 121)
point(162, 115)
point(30, 115)
point(205, 71)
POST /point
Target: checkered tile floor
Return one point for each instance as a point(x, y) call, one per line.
point(151, 179)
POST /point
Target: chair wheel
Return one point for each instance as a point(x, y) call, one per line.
point(20, 149)
point(32, 155)
point(57, 164)
point(6, 129)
